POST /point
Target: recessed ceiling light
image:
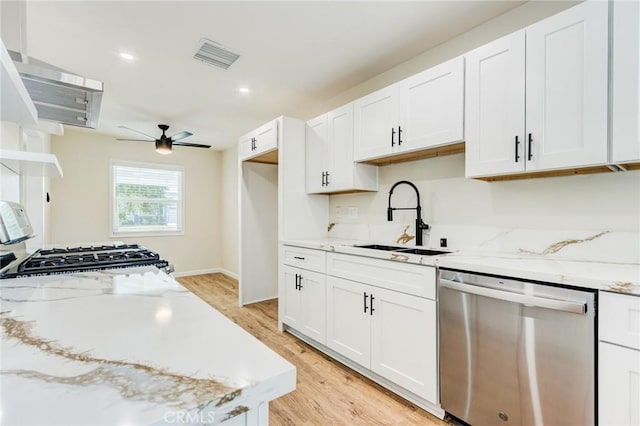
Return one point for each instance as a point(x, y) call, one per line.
point(127, 56)
point(243, 90)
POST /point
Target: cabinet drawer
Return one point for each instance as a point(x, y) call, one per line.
point(407, 278)
point(619, 319)
point(313, 260)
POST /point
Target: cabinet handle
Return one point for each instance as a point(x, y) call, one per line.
point(399, 136)
point(323, 184)
point(300, 283)
point(365, 302)
point(298, 257)
point(371, 305)
point(393, 135)
point(530, 154)
point(327, 178)
point(517, 146)
point(297, 281)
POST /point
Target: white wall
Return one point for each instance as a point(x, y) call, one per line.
point(607, 201)
point(80, 201)
point(230, 211)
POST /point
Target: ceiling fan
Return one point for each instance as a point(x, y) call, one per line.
point(164, 143)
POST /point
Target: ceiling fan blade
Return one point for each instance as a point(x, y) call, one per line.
point(139, 132)
point(135, 140)
point(195, 145)
point(181, 135)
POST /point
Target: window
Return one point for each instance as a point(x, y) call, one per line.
point(147, 199)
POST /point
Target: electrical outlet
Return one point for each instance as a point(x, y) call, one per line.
point(443, 242)
point(353, 212)
point(338, 212)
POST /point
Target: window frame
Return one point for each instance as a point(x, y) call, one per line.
point(142, 232)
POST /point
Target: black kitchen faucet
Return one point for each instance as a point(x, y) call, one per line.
point(420, 225)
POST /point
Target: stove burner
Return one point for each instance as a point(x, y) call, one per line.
point(76, 259)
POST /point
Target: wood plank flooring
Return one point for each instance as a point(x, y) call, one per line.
point(327, 392)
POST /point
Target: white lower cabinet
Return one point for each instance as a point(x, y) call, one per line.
point(377, 316)
point(305, 302)
point(348, 324)
point(391, 333)
point(619, 385)
point(619, 359)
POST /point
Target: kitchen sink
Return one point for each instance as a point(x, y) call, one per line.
point(381, 247)
point(424, 252)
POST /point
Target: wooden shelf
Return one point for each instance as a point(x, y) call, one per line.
point(27, 163)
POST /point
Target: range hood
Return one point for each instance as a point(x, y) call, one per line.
point(59, 95)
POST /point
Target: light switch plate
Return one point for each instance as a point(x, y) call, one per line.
point(353, 212)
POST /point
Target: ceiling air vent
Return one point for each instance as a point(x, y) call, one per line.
point(215, 54)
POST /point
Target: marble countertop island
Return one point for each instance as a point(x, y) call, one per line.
point(128, 348)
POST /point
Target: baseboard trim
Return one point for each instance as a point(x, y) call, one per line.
point(229, 273)
point(206, 271)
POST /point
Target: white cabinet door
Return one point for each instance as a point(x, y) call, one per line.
point(432, 107)
point(317, 154)
point(292, 311)
point(348, 319)
point(305, 302)
point(247, 145)
point(566, 81)
point(267, 137)
point(314, 305)
point(625, 132)
point(494, 107)
point(376, 122)
point(404, 341)
point(341, 165)
point(619, 385)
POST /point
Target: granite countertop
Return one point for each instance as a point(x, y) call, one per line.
point(134, 347)
point(609, 276)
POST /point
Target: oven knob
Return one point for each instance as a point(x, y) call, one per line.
point(503, 416)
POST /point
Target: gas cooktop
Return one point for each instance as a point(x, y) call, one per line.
point(85, 258)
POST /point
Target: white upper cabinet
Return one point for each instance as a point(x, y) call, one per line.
point(376, 124)
point(625, 125)
point(566, 80)
point(330, 165)
point(432, 107)
point(421, 112)
point(556, 71)
point(317, 154)
point(494, 110)
point(264, 140)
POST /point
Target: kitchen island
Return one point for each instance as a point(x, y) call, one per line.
point(128, 347)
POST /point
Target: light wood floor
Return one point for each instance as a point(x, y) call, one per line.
point(327, 392)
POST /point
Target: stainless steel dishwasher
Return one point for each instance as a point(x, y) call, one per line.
point(514, 352)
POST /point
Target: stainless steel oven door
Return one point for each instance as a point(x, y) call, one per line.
point(515, 353)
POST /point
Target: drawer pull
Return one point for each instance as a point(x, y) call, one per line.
point(298, 257)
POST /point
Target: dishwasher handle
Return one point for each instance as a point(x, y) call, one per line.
point(542, 302)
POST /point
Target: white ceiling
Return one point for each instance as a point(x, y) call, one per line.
point(294, 55)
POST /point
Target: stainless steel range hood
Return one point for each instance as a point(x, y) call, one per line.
point(59, 95)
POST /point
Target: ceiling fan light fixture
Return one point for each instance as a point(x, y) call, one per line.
point(163, 146)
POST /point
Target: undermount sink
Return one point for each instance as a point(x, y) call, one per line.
point(381, 247)
point(424, 252)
